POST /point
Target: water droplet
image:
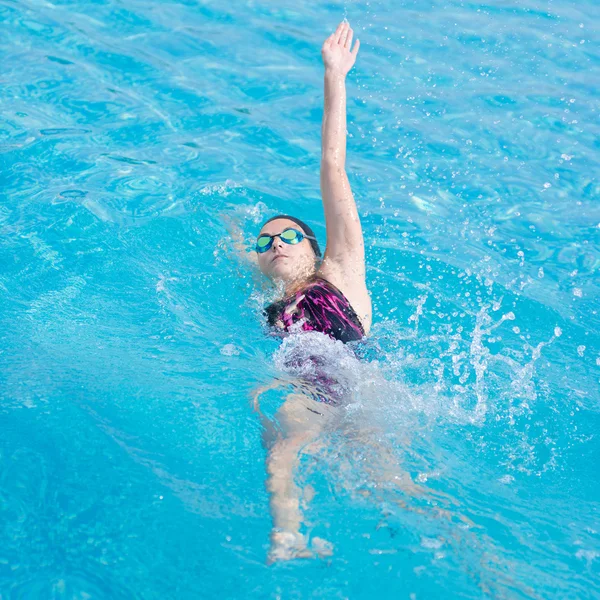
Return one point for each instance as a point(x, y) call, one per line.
point(506, 479)
point(230, 350)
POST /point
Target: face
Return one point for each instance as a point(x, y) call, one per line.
point(286, 262)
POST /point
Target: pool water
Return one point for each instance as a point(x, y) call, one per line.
point(135, 135)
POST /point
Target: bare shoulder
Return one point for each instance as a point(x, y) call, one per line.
point(350, 280)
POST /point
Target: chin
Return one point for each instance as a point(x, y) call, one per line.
point(282, 274)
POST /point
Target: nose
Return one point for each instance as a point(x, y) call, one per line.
point(277, 241)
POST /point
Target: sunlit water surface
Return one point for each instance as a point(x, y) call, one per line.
point(131, 339)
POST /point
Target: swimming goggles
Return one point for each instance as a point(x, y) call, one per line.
point(289, 236)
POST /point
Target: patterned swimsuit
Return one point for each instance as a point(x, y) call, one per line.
point(320, 306)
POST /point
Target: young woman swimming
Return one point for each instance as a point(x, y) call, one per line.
point(322, 297)
point(325, 300)
point(325, 294)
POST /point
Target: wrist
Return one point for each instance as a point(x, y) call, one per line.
point(334, 73)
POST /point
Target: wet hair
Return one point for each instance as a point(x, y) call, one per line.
point(314, 244)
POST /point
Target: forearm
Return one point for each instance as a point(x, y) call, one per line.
point(333, 131)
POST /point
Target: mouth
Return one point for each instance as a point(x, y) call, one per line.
point(278, 257)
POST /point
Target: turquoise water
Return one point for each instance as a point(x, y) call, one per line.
point(131, 340)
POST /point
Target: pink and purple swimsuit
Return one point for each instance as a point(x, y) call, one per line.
point(320, 306)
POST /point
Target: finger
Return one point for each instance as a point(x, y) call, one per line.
point(348, 43)
point(356, 47)
point(344, 37)
point(338, 32)
point(328, 41)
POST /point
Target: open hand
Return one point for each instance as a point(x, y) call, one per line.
point(336, 52)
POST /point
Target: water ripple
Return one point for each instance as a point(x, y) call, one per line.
point(130, 341)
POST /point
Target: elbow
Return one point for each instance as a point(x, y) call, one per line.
point(332, 162)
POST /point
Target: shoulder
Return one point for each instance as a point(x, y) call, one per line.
point(354, 289)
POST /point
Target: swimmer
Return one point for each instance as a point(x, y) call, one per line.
point(325, 293)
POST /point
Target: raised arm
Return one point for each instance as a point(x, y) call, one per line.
point(344, 260)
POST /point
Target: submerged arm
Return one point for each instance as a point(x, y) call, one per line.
point(236, 242)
